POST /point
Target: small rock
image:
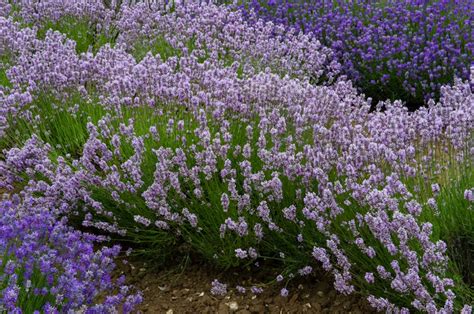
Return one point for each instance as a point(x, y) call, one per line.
point(320, 293)
point(308, 305)
point(170, 311)
point(233, 306)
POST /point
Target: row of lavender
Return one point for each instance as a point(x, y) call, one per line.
point(194, 123)
point(390, 49)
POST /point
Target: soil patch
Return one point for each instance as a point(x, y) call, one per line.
point(187, 290)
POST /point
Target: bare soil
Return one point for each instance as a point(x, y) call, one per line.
point(187, 290)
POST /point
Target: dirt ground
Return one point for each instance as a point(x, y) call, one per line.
point(187, 290)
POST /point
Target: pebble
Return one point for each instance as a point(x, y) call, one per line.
point(234, 306)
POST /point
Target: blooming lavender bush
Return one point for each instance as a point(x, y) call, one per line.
point(215, 31)
point(47, 266)
point(194, 141)
point(390, 49)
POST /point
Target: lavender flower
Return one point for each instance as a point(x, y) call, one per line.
point(377, 50)
point(35, 240)
point(218, 288)
point(469, 195)
point(256, 290)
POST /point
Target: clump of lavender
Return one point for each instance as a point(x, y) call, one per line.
point(43, 12)
point(48, 266)
point(390, 49)
point(218, 32)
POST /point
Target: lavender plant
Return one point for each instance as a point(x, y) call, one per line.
point(390, 49)
point(46, 266)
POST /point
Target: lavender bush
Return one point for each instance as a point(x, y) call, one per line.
point(186, 137)
point(46, 266)
point(390, 49)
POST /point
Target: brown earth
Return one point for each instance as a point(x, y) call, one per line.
point(187, 290)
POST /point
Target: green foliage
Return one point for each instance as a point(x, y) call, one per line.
point(83, 31)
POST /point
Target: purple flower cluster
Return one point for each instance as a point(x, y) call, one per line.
point(47, 264)
point(394, 49)
point(249, 159)
point(218, 288)
point(216, 31)
point(41, 12)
